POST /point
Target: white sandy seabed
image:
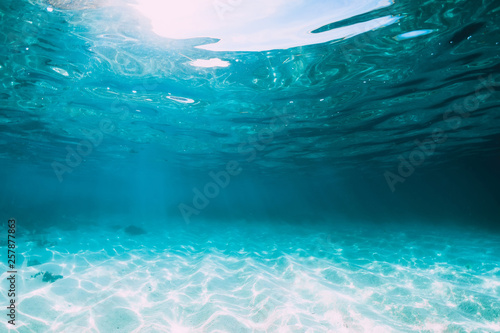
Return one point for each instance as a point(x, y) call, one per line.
point(249, 278)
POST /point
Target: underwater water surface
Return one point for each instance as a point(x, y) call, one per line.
point(249, 166)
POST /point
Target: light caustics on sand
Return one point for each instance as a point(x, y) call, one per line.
point(271, 279)
point(259, 25)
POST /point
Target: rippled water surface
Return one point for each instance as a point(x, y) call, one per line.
point(368, 96)
point(251, 166)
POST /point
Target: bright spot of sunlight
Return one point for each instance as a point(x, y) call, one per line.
point(213, 62)
point(259, 25)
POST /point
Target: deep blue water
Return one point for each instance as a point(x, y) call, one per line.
point(251, 166)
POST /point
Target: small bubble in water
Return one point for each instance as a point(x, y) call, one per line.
point(50, 9)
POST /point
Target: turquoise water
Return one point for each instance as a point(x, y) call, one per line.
point(238, 166)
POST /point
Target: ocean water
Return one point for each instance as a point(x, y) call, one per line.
point(249, 166)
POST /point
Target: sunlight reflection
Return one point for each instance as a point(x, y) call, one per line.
point(259, 25)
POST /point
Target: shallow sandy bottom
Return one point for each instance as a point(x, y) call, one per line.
point(270, 278)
